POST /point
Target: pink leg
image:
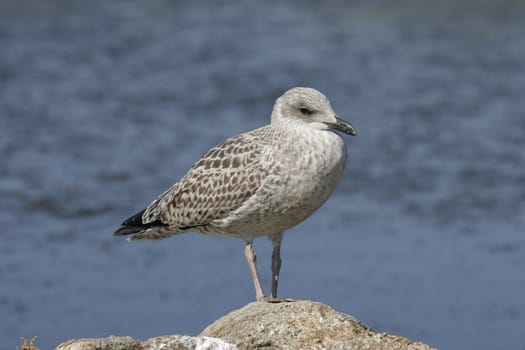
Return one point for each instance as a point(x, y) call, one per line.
point(251, 258)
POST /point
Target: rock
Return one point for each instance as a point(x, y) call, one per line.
point(110, 343)
point(185, 342)
point(165, 342)
point(262, 325)
point(300, 325)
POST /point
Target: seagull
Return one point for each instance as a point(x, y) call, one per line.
point(259, 183)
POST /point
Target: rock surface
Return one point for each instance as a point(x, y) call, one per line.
point(300, 325)
point(165, 342)
point(261, 325)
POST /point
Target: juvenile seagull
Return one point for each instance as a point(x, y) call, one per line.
point(259, 183)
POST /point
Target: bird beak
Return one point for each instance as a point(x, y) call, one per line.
point(343, 126)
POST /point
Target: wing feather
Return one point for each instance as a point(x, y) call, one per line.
point(220, 182)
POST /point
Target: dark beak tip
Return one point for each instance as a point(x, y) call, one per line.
point(344, 126)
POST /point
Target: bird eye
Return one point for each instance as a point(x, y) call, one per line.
point(305, 111)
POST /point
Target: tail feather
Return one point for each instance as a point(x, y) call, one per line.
point(127, 230)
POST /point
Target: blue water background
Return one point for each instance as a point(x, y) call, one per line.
point(104, 104)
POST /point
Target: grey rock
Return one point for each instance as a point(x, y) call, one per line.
point(165, 342)
point(185, 342)
point(110, 343)
point(262, 325)
point(301, 325)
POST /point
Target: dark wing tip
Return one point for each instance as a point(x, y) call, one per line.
point(135, 220)
point(134, 224)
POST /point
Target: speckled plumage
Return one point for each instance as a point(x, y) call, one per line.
point(259, 183)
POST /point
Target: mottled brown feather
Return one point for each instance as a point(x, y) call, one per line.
point(220, 182)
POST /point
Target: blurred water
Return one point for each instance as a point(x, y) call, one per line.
point(105, 104)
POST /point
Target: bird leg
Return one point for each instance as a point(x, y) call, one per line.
point(251, 258)
point(276, 262)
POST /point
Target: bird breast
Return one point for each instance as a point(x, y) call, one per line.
point(314, 164)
